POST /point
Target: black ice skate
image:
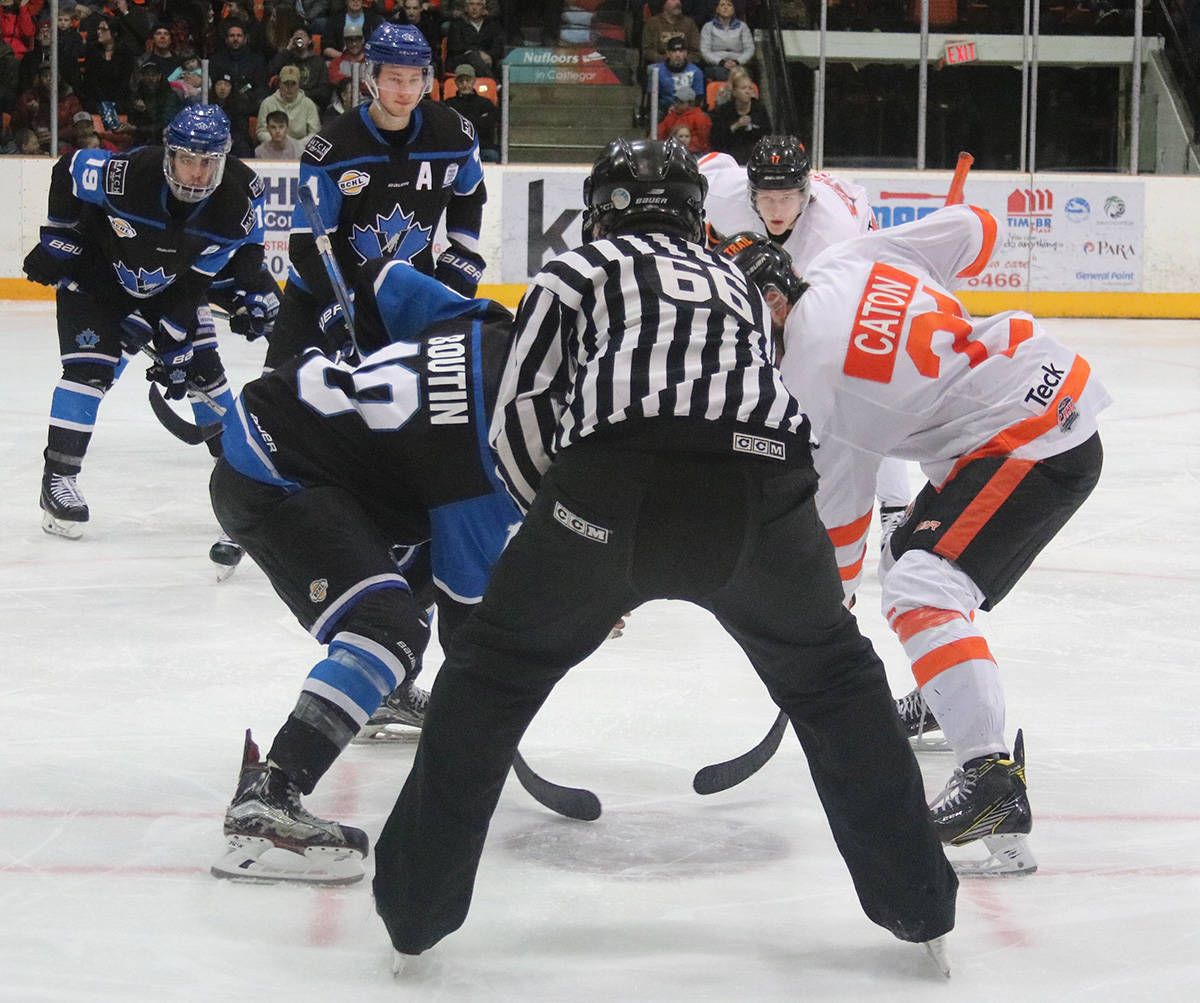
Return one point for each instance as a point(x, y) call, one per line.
point(402, 711)
point(918, 722)
point(225, 554)
point(63, 509)
point(987, 800)
point(272, 837)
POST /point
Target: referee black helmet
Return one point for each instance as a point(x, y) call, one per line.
point(644, 186)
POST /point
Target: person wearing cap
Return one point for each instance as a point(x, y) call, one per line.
point(477, 39)
point(237, 109)
point(304, 119)
point(314, 74)
point(353, 51)
point(663, 27)
point(162, 51)
point(353, 17)
point(676, 71)
point(477, 110)
point(686, 112)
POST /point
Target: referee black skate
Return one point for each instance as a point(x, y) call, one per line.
point(643, 428)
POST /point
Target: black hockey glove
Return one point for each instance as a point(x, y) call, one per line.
point(253, 314)
point(334, 326)
point(459, 269)
point(172, 370)
point(54, 257)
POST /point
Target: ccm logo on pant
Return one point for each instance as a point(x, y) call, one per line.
point(588, 530)
point(758, 446)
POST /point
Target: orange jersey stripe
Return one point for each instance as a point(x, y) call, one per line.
point(982, 507)
point(851, 570)
point(989, 243)
point(949, 655)
point(843, 536)
point(706, 158)
point(917, 620)
point(1009, 439)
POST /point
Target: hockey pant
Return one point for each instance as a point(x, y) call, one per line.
point(611, 528)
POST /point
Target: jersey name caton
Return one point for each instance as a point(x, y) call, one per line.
point(871, 353)
point(447, 379)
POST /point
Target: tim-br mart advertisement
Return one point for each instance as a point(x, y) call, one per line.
point(1055, 235)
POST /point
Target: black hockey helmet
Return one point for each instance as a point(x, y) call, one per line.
point(643, 185)
point(764, 263)
point(778, 163)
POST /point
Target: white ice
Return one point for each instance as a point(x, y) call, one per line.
point(129, 674)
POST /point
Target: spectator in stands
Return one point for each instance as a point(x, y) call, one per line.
point(26, 143)
point(16, 26)
point(162, 50)
point(278, 144)
point(10, 77)
point(107, 69)
point(280, 25)
point(26, 65)
point(425, 20)
point(314, 74)
point(188, 81)
point(152, 103)
point(353, 52)
point(477, 110)
point(740, 122)
point(663, 27)
point(246, 68)
point(303, 117)
point(70, 47)
point(684, 111)
point(237, 109)
point(363, 21)
point(725, 42)
point(341, 102)
point(131, 25)
point(34, 107)
point(477, 39)
point(676, 71)
point(84, 134)
point(314, 13)
point(241, 13)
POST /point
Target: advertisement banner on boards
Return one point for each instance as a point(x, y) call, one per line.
point(542, 213)
point(529, 65)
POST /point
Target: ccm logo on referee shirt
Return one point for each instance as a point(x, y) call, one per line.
point(588, 530)
point(756, 445)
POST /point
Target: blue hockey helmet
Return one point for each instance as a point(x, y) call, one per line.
point(397, 45)
point(195, 145)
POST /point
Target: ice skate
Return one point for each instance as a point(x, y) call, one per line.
point(986, 800)
point(270, 836)
point(918, 722)
point(225, 554)
point(64, 510)
point(936, 949)
point(399, 717)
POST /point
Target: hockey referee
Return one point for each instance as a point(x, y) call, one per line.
point(644, 429)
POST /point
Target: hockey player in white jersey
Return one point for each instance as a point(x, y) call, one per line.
point(1002, 419)
point(804, 212)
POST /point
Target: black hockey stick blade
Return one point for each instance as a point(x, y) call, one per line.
point(571, 802)
point(722, 776)
point(179, 427)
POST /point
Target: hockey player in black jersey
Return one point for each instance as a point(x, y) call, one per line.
point(643, 427)
point(326, 467)
point(132, 242)
point(383, 174)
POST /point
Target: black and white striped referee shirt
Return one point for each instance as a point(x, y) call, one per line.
point(632, 328)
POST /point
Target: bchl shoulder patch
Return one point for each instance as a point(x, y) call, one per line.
point(114, 177)
point(318, 147)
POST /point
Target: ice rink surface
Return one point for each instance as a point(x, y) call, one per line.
point(128, 675)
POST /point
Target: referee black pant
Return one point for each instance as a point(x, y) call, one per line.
point(613, 527)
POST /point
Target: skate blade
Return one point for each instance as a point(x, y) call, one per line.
point(225, 571)
point(929, 743)
point(936, 949)
point(1009, 856)
point(61, 527)
point(387, 734)
point(255, 859)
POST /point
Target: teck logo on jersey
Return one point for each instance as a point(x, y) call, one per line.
point(875, 336)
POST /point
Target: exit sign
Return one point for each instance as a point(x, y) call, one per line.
point(959, 51)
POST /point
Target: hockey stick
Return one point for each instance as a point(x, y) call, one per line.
point(325, 250)
point(722, 776)
point(571, 802)
point(179, 427)
point(955, 195)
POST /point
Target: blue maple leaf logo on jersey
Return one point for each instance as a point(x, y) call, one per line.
point(87, 338)
point(142, 283)
point(394, 236)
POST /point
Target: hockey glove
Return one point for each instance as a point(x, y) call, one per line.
point(334, 326)
point(54, 257)
point(460, 270)
point(172, 370)
point(253, 314)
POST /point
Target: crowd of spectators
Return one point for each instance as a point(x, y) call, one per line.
point(128, 66)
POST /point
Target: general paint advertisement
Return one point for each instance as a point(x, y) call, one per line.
point(1054, 235)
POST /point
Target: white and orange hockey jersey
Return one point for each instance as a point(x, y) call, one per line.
point(837, 210)
point(886, 362)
